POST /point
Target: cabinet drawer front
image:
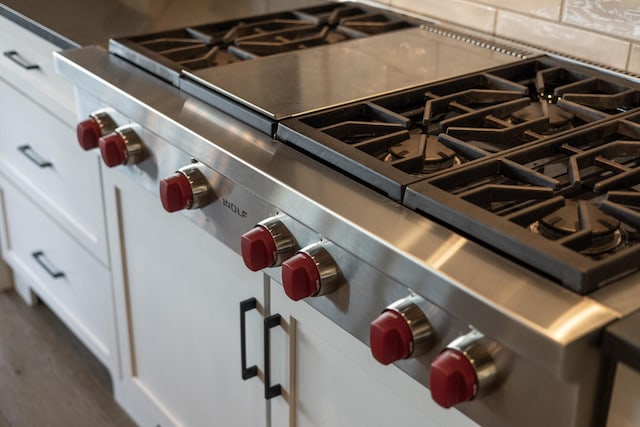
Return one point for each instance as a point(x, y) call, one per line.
point(67, 278)
point(40, 155)
point(27, 58)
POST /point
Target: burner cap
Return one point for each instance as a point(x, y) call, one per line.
point(559, 119)
point(437, 156)
point(566, 220)
point(605, 229)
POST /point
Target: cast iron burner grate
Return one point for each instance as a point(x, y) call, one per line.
point(394, 140)
point(567, 206)
point(167, 53)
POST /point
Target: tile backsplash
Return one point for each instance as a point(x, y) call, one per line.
point(603, 31)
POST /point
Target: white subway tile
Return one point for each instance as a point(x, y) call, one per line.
point(619, 18)
point(634, 60)
point(549, 9)
point(461, 12)
point(562, 38)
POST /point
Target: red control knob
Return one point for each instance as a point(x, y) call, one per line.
point(268, 244)
point(123, 146)
point(401, 331)
point(88, 132)
point(390, 337)
point(113, 149)
point(176, 193)
point(300, 276)
point(453, 379)
point(258, 248)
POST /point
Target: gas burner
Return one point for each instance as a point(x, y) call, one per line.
point(369, 24)
point(169, 53)
point(438, 156)
point(273, 27)
point(567, 206)
point(558, 119)
point(577, 216)
point(285, 41)
point(368, 136)
point(610, 166)
point(190, 53)
point(435, 155)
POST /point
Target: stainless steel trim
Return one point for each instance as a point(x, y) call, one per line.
point(327, 268)
point(105, 122)
point(203, 194)
point(421, 329)
point(478, 41)
point(134, 148)
point(284, 241)
point(474, 346)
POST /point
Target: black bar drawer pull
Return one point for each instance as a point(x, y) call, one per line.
point(28, 151)
point(41, 259)
point(269, 390)
point(15, 57)
point(246, 305)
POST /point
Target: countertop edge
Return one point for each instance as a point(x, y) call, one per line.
point(44, 32)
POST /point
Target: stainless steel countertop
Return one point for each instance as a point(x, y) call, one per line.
point(71, 23)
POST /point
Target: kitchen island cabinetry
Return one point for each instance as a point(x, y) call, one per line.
point(53, 230)
point(333, 381)
point(178, 292)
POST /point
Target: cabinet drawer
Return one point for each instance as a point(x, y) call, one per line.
point(66, 277)
point(21, 49)
point(39, 154)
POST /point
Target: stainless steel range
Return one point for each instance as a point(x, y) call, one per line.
point(474, 221)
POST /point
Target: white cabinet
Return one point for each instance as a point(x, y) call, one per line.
point(52, 215)
point(40, 154)
point(47, 260)
point(27, 59)
point(331, 380)
point(178, 292)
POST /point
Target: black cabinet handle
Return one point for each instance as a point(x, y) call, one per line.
point(28, 151)
point(269, 390)
point(15, 57)
point(40, 259)
point(246, 305)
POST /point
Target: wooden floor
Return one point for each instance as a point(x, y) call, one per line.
point(47, 378)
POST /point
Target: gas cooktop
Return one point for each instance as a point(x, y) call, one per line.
point(567, 206)
point(267, 68)
point(532, 156)
point(395, 140)
point(168, 53)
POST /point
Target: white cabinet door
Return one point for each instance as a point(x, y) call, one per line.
point(330, 379)
point(66, 277)
point(40, 155)
point(177, 293)
point(21, 48)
